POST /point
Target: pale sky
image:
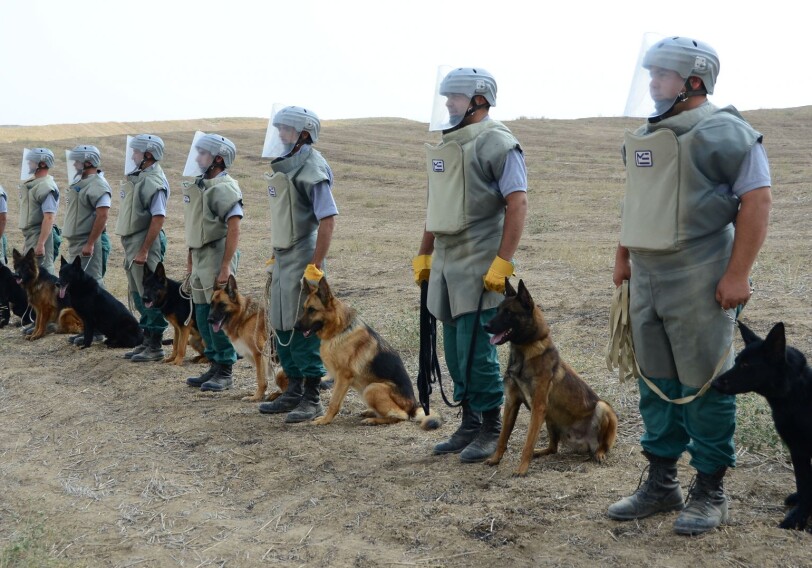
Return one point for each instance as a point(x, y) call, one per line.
point(114, 60)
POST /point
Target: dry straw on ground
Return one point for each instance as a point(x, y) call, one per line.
point(109, 463)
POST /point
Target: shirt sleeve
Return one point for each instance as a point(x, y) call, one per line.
point(158, 205)
point(50, 205)
point(235, 211)
point(754, 171)
point(324, 204)
point(3, 204)
point(514, 175)
point(104, 201)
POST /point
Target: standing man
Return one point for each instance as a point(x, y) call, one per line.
point(140, 224)
point(694, 218)
point(212, 213)
point(3, 219)
point(303, 215)
point(39, 201)
point(477, 204)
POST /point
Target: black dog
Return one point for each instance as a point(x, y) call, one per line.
point(163, 293)
point(12, 298)
point(781, 375)
point(97, 307)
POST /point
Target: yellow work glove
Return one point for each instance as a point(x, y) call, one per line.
point(313, 274)
point(269, 265)
point(421, 264)
point(494, 280)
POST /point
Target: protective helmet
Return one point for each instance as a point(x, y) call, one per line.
point(686, 56)
point(85, 153)
point(148, 143)
point(470, 81)
point(218, 145)
point(299, 119)
point(37, 155)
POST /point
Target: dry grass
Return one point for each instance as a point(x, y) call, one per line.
point(106, 463)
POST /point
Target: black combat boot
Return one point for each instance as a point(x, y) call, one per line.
point(138, 348)
point(707, 504)
point(465, 434)
point(659, 493)
point(221, 379)
point(483, 446)
point(310, 406)
point(154, 350)
point(288, 400)
point(202, 378)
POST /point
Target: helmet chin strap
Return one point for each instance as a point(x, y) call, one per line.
point(683, 96)
point(296, 147)
point(472, 108)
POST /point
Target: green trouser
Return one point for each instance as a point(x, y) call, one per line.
point(152, 319)
point(3, 255)
point(56, 235)
point(704, 426)
point(105, 244)
point(484, 391)
point(218, 347)
point(299, 355)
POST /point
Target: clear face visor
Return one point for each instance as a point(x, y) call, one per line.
point(132, 157)
point(28, 167)
point(447, 110)
point(74, 168)
point(199, 158)
point(654, 90)
point(279, 138)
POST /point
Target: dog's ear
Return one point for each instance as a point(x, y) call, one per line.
point(30, 254)
point(747, 334)
point(324, 291)
point(775, 343)
point(160, 272)
point(77, 262)
point(509, 290)
point(15, 254)
point(62, 260)
point(231, 288)
point(524, 296)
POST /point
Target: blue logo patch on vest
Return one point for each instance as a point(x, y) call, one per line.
point(122, 194)
point(271, 191)
point(643, 159)
point(438, 165)
point(187, 199)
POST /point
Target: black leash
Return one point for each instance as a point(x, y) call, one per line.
point(429, 365)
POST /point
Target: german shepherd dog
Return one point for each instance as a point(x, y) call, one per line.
point(781, 375)
point(13, 299)
point(97, 307)
point(243, 320)
point(41, 290)
point(356, 356)
point(164, 293)
point(537, 377)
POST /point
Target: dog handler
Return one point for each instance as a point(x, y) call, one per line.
point(303, 214)
point(477, 204)
point(3, 219)
point(212, 213)
point(694, 171)
point(140, 225)
point(39, 201)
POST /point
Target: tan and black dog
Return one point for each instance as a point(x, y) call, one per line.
point(538, 378)
point(41, 290)
point(244, 322)
point(163, 293)
point(356, 356)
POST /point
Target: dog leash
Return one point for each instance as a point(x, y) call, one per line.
point(428, 363)
point(620, 349)
point(185, 292)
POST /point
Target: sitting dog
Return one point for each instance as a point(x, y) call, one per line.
point(97, 307)
point(12, 299)
point(538, 378)
point(781, 375)
point(244, 322)
point(356, 356)
point(164, 293)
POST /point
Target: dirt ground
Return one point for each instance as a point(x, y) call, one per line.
point(104, 462)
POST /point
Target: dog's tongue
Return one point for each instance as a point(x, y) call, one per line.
point(62, 290)
point(499, 337)
point(306, 333)
point(148, 304)
point(216, 325)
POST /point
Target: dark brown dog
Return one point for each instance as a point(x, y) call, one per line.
point(538, 378)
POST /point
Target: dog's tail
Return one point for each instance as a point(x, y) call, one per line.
point(607, 428)
point(427, 421)
point(69, 321)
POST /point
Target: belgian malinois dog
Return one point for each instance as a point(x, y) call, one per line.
point(537, 377)
point(356, 356)
point(243, 320)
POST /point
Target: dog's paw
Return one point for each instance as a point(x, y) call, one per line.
point(273, 396)
point(521, 472)
point(253, 398)
point(795, 519)
point(493, 461)
point(321, 421)
point(792, 499)
point(368, 413)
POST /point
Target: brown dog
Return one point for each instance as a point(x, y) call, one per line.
point(244, 322)
point(538, 378)
point(356, 356)
point(41, 290)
